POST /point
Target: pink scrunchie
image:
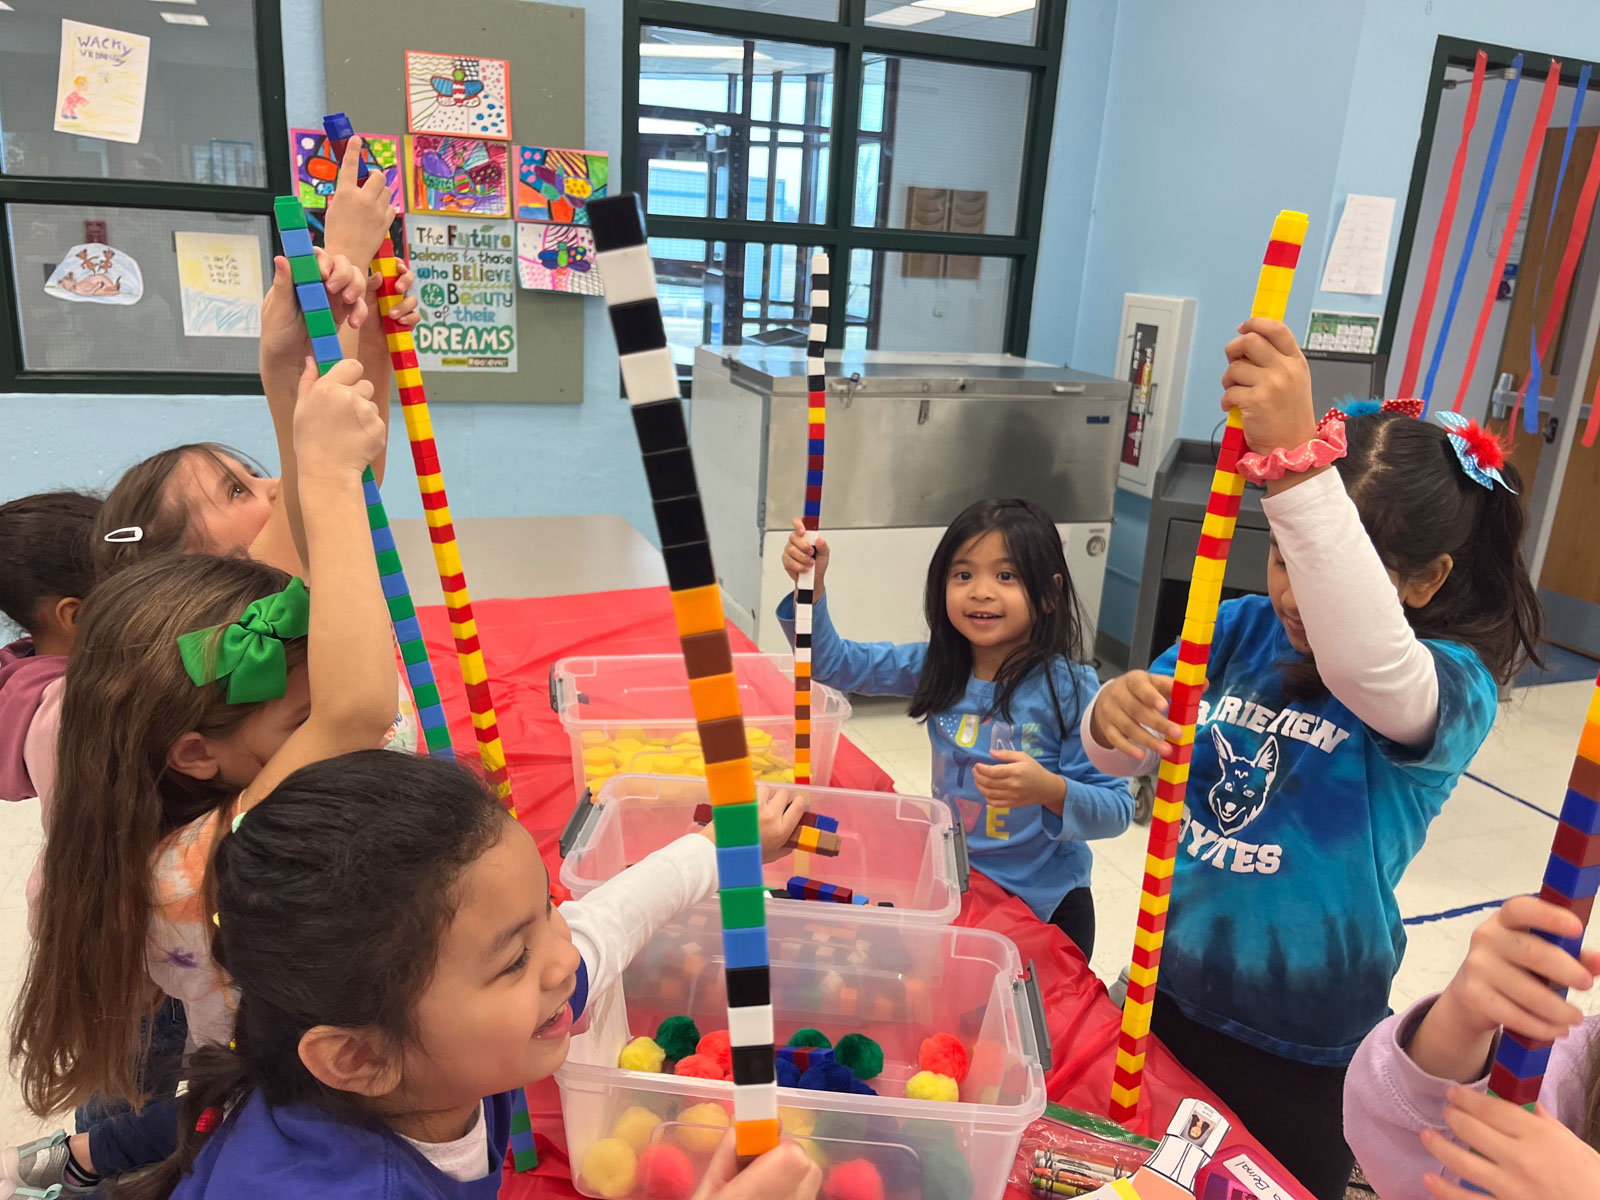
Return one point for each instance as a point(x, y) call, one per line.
point(1319, 452)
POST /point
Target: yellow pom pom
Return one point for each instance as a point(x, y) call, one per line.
point(693, 1135)
point(797, 1122)
point(610, 1168)
point(642, 1054)
point(925, 1085)
point(635, 1126)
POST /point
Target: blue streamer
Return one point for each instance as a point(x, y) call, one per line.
point(1484, 184)
point(1530, 407)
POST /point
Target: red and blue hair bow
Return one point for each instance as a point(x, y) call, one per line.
point(1481, 453)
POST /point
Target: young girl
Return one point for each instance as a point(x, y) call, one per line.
point(1000, 686)
point(1420, 1077)
point(401, 970)
point(1338, 712)
point(197, 684)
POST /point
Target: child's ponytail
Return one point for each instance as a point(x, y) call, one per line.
point(218, 1079)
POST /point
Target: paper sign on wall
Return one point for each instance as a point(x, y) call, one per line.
point(100, 82)
point(1360, 246)
point(467, 289)
point(96, 273)
point(558, 258)
point(460, 94)
point(219, 276)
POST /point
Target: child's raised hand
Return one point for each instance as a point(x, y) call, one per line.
point(360, 210)
point(337, 427)
point(779, 813)
point(1502, 981)
point(1128, 708)
point(1268, 381)
point(785, 1173)
point(1019, 780)
point(799, 556)
point(283, 327)
point(1509, 1152)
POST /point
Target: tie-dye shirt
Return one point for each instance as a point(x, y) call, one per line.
point(1283, 930)
point(1029, 851)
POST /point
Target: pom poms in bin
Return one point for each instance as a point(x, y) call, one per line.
point(636, 1126)
point(856, 1179)
point(642, 1054)
point(699, 1066)
point(610, 1168)
point(830, 1075)
point(678, 1036)
point(862, 1055)
point(718, 1047)
point(810, 1037)
point(788, 1074)
point(929, 1085)
point(701, 1127)
point(665, 1173)
point(943, 1054)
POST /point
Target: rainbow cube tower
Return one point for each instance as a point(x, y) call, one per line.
point(1570, 881)
point(816, 416)
point(1189, 684)
point(651, 384)
point(303, 269)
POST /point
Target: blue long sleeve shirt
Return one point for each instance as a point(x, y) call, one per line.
point(1029, 851)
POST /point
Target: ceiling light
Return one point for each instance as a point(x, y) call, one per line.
point(175, 1)
point(906, 14)
point(978, 8)
point(184, 19)
point(679, 128)
point(720, 53)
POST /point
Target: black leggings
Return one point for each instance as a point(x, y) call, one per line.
point(1293, 1109)
point(1074, 916)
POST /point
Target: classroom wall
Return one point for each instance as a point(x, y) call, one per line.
point(499, 460)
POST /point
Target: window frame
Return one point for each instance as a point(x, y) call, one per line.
point(851, 38)
point(161, 194)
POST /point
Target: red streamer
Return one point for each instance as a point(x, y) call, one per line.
point(1530, 159)
point(1441, 236)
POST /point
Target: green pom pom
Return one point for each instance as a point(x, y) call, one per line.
point(861, 1054)
point(815, 1037)
point(678, 1037)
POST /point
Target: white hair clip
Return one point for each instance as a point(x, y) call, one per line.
point(128, 533)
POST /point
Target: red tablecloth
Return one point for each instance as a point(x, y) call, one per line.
point(523, 639)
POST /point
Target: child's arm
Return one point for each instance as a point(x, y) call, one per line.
point(350, 647)
point(869, 668)
point(1403, 1087)
point(612, 923)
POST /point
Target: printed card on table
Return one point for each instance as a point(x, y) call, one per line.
point(100, 82)
point(219, 277)
point(454, 175)
point(458, 94)
point(557, 258)
point(316, 170)
point(557, 185)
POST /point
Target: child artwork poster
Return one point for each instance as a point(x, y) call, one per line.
point(219, 278)
point(557, 185)
point(455, 175)
point(459, 94)
point(558, 258)
point(316, 170)
point(95, 273)
point(100, 82)
point(467, 290)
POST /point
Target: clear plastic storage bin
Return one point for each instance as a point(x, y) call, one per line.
point(906, 850)
point(632, 713)
point(895, 983)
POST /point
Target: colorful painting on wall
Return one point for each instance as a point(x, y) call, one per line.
point(459, 94)
point(316, 169)
point(219, 277)
point(557, 185)
point(452, 175)
point(557, 258)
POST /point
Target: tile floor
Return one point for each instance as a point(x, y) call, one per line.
point(1491, 842)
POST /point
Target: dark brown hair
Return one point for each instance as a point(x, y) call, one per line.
point(332, 898)
point(1418, 503)
point(141, 500)
point(45, 551)
point(77, 1026)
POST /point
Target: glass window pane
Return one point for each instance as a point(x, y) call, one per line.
point(929, 301)
point(685, 118)
point(965, 160)
point(198, 119)
point(1013, 21)
point(815, 10)
point(62, 334)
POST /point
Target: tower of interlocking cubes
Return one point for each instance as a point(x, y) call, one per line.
point(1189, 684)
point(804, 596)
point(651, 383)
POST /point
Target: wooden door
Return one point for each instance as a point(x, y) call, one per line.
point(1572, 562)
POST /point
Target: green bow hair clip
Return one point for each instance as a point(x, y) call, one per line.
point(249, 653)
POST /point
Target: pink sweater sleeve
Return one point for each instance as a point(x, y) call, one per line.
point(39, 759)
point(1389, 1100)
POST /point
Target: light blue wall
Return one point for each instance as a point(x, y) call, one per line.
point(500, 460)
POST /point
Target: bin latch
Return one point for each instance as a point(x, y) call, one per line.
point(958, 845)
point(555, 692)
point(1030, 1011)
point(578, 823)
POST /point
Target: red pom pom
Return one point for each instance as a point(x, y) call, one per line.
point(943, 1054)
point(717, 1046)
point(698, 1066)
point(857, 1179)
point(665, 1172)
point(1484, 447)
